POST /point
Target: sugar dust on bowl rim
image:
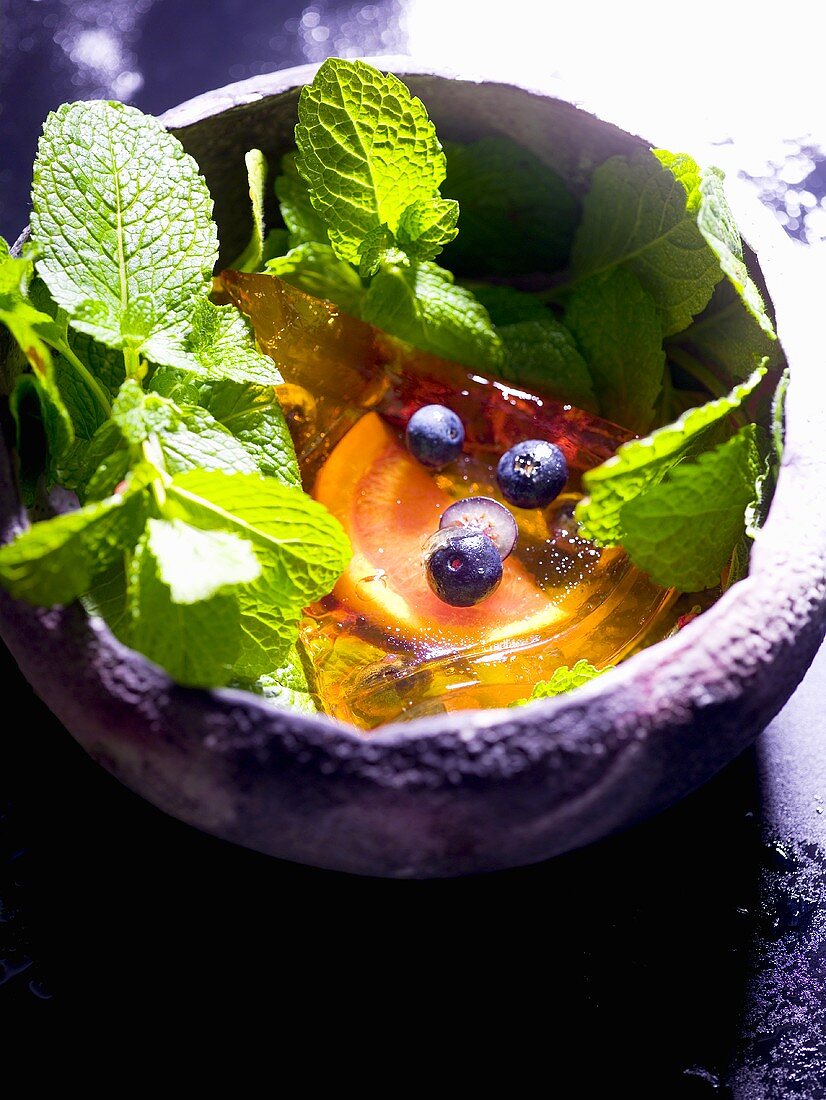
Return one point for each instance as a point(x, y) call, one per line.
point(446, 794)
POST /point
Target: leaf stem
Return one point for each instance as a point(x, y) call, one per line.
point(704, 376)
point(92, 383)
point(132, 362)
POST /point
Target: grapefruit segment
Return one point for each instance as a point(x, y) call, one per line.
point(389, 505)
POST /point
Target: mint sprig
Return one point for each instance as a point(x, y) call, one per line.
point(368, 153)
point(683, 530)
point(642, 463)
point(122, 222)
point(564, 679)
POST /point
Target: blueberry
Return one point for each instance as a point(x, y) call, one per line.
point(434, 435)
point(532, 473)
point(463, 566)
point(486, 515)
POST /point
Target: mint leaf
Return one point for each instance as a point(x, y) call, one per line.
point(426, 226)
point(683, 530)
point(617, 326)
point(56, 560)
point(221, 344)
point(267, 636)
point(377, 248)
point(420, 303)
point(315, 269)
point(564, 680)
point(255, 419)
point(189, 436)
point(199, 441)
point(652, 213)
point(303, 223)
point(366, 149)
point(717, 225)
point(183, 611)
point(252, 256)
point(517, 214)
point(727, 336)
point(507, 306)
point(642, 463)
point(287, 686)
point(196, 564)
point(122, 223)
point(543, 355)
point(302, 549)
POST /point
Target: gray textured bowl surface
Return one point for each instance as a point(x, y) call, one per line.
point(469, 791)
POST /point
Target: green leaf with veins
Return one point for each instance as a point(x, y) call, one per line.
point(517, 215)
point(420, 303)
point(196, 564)
point(182, 604)
point(305, 226)
point(507, 306)
point(122, 221)
point(189, 436)
point(366, 150)
point(255, 418)
point(56, 560)
point(267, 636)
point(683, 530)
point(377, 248)
point(315, 269)
point(287, 686)
point(543, 355)
point(199, 441)
point(618, 329)
point(426, 226)
point(85, 456)
point(728, 337)
point(221, 344)
point(642, 463)
point(651, 213)
point(107, 598)
point(302, 549)
point(563, 680)
point(252, 256)
point(717, 225)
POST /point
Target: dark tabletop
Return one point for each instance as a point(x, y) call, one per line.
point(684, 958)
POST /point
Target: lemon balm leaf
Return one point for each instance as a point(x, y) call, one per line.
point(683, 530)
point(366, 150)
point(219, 343)
point(122, 222)
point(618, 329)
point(641, 463)
point(196, 564)
point(727, 335)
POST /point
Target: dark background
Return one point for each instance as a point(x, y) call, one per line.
point(684, 958)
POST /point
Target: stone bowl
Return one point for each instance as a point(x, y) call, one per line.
point(476, 790)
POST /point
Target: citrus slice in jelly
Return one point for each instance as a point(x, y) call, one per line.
point(389, 505)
